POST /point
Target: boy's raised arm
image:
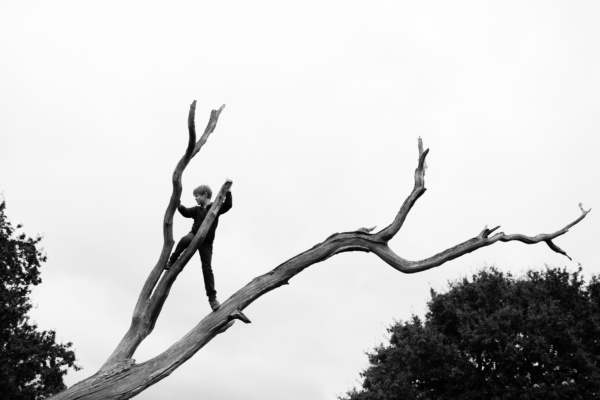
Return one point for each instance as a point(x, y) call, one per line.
point(227, 204)
point(186, 212)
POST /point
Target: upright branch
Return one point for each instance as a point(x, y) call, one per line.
point(418, 190)
point(122, 378)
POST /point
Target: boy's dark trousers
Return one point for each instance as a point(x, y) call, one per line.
point(205, 251)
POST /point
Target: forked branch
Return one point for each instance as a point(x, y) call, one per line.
point(154, 293)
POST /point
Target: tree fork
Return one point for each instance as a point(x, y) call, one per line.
point(121, 378)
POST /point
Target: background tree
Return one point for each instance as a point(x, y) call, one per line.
point(32, 364)
point(495, 337)
point(121, 377)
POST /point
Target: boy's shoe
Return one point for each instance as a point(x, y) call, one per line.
point(214, 304)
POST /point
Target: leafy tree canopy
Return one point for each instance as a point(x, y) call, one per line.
point(495, 337)
point(32, 364)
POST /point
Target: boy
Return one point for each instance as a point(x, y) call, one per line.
point(203, 194)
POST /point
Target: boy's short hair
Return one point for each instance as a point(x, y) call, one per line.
point(203, 189)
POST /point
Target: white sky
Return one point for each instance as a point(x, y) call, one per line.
point(325, 101)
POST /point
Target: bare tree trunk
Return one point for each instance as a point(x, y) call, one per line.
point(121, 378)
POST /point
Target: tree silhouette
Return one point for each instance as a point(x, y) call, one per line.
point(494, 337)
point(121, 377)
point(32, 364)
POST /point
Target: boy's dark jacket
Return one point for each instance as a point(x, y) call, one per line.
point(199, 213)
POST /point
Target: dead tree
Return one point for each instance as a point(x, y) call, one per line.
point(121, 377)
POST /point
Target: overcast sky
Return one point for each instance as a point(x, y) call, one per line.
point(325, 102)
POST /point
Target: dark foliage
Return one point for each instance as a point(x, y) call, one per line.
point(32, 364)
point(495, 337)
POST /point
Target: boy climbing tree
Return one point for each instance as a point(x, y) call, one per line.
point(202, 194)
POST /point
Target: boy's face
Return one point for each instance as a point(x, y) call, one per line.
point(201, 199)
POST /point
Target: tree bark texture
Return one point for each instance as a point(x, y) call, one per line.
point(122, 378)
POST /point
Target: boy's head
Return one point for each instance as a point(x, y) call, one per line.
point(203, 194)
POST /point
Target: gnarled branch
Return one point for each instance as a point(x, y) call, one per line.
point(122, 378)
